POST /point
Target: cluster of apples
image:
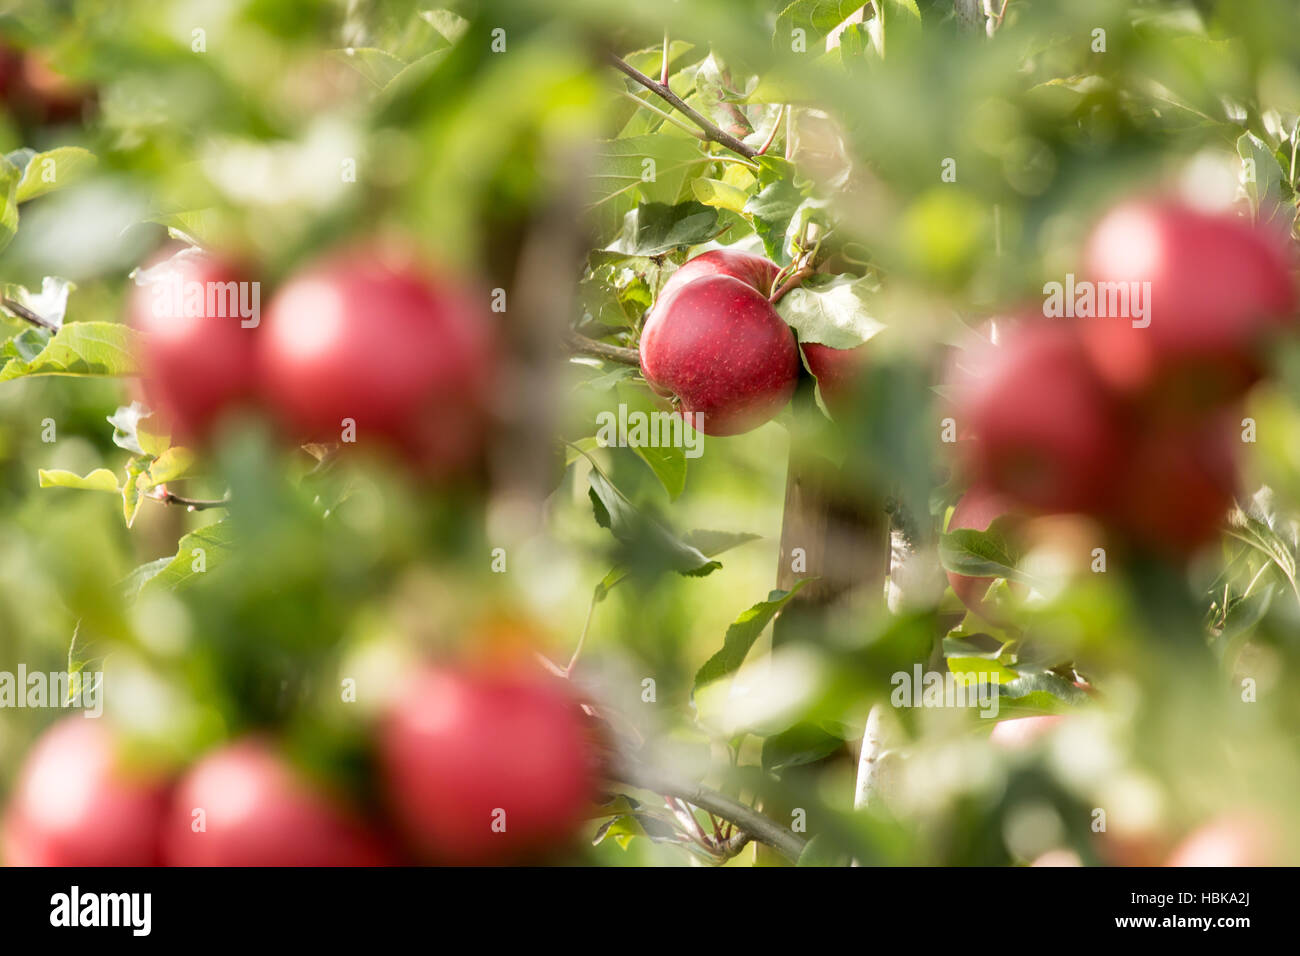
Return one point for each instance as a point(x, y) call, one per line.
point(368, 335)
point(1132, 422)
point(473, 769)
point(717, 347)
point(1234, 838)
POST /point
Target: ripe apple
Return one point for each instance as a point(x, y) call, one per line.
point(715, 343)
point(259, 811)
point(75, 804)
point(838, 371)
point(750, 269)
point(372, 335)
point(1046, 433)
point(977, 509)
point(1229, 840)
point(1175, 489)
point(1218, 286)
point(486, 768)
point(195, 356)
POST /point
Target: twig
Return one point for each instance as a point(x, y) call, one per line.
point(193, 504)
point(663, 70)
point(581, 345)
point(668, 117)
point(27, 315)
point(752, 824)
point(712, 131)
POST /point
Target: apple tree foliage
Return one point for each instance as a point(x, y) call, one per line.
point(921, 166)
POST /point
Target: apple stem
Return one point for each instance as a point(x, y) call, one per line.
point(712, 132)
point(793, 281)
point(771, 137)
point(581, 345)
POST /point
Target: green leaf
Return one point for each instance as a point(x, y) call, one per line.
point(80, 348)
point(821, 850)
point(377, 66)
point(132, 431)
point(742, 634)
point(451, 26)
point(981, 554)
point(713, 543)
point(647, 542)
point(9, 177)
point(714, 192)
point(170, 465)
point(653, 229)
point(101, 479)
point(836, 313)
point(668, 462)
point(816, 17)
point(772, 209)
point(801, 744)
point(215, 540)
point(1249, 529)
point(51, 170)
point(1264, 182)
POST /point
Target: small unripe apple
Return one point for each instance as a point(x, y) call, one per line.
point(976, 509)
point(245, 805)
point(838, 372)
point(195, 355)
point(486, 768)
point(1047, 435)
point(714, 342)
point(76, 804)
point(1218, 286)
point(373, 337)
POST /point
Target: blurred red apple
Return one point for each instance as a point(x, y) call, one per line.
point(259, 811)
point(75, 804)
point(196, 356)
point(486, 768)
point(715, 343)
point(1046, 433)
point(1218, 285)
point(1021, 732)
point(372, 335)
point(1230, 840)
point(838, 372)
point(1174, 491)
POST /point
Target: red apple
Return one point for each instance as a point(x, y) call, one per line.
point(1175, 490)
point(1046, 433)
point(75, 804)
point(977, 509)
point(748, 268)
point(1218, 286)
point(486, 768)
point(715, 343)
point(259, 811)
point(838, 372)
point(1229, 840)
point(372, 335)
point(195, 356)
